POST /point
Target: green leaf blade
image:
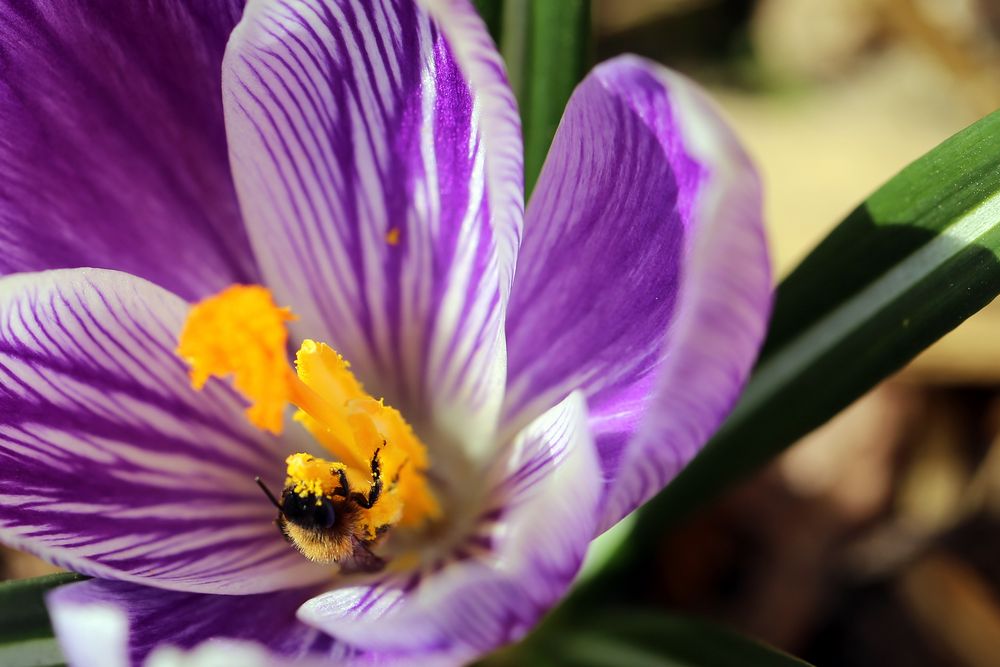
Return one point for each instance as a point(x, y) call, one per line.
point(491, 12)
point(546, 46)
point(642, 638)
point(26, 637)
point(922, 201)
point(22, 606)
point(905, 268)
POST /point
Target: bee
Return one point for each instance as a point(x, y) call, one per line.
point(329, 529)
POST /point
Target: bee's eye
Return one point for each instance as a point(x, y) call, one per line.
point(305, 511)
point(324, 515)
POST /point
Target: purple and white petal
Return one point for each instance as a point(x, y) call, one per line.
point(483, 67)
point(113, 147)
point(381, 188)
point(229, 652)
point(109, 623)
point(110, 464)
point(494, 587)
point(643, 278)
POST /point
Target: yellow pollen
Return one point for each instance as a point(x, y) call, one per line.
point(392, 236)
point(308, 475)
point(242, 333)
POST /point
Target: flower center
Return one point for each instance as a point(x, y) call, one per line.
point(376, 478)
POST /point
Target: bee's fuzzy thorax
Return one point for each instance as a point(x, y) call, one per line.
point(326, 546)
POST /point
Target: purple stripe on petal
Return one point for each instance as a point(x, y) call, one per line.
point(479, 599)
point(366, 160)
point(643, 279)
point(723, 305)
point(112, 142)
point(598, 274)
point(110, 464)
point(137, 620)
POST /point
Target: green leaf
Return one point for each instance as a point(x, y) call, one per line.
point(906, 267)
point(641, 638)
point(910, 264)
point(22, 606)
point(26, 638)
point(492, 12)
point(546, 46)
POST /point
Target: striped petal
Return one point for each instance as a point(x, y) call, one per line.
point(377, 159)
point(112, 141)
point(110, 464)
point(229, 652)
point(112, 623)
point(643, 279)
point(497, 585)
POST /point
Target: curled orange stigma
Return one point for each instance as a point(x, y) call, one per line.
point(241, 332)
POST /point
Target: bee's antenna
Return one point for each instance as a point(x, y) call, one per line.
point(267, 492)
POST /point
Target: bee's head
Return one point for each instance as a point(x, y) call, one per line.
point(308, 511)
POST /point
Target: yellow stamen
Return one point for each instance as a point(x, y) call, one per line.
point(392, 236)
point(370, 425)
point(241, 332)
point(323, 390)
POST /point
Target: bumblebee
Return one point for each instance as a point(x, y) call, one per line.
point(330, 527)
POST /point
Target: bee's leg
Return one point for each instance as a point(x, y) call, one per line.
point(344, 490)
point(376, 489)
point(362, 560)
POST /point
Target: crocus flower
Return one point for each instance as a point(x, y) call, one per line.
point(360, 160)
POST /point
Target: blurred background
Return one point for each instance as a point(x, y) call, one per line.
point(876, 540)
